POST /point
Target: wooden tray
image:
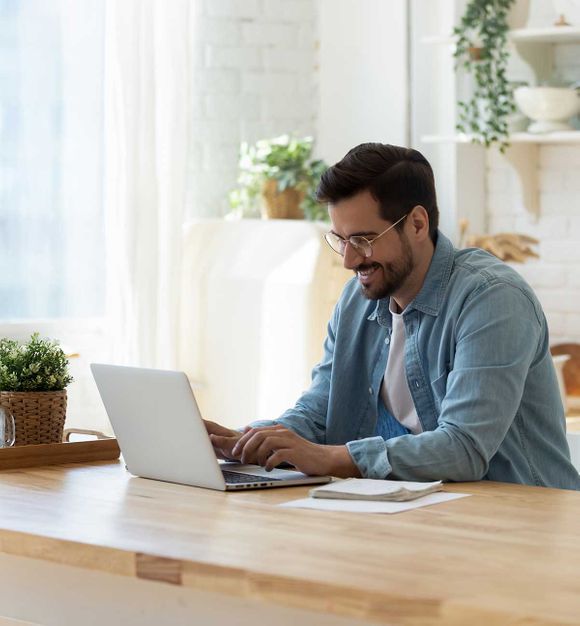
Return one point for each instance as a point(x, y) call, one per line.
point(59, 453)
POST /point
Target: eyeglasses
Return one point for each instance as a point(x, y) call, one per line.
point(361, 244)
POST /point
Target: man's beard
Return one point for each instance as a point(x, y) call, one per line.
point(394, 274)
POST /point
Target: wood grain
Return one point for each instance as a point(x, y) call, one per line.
point(59, 453)
point(508, 554)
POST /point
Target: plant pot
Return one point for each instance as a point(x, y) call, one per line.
point(38, 415)
point(281, 205)
point(475, 53)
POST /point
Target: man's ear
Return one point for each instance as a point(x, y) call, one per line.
point(419, 222)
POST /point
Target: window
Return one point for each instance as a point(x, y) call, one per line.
point(52, 261)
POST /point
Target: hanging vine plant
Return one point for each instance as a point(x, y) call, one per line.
point(482, 51)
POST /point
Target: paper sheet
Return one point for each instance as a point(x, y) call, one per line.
point(366, 506)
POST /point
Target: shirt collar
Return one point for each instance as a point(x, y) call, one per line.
point(430, 298)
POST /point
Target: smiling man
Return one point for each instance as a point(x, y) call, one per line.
point(437, 362)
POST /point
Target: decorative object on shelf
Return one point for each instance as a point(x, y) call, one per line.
point(568, 12)
point(549, 108)
point(277, 180)
point(561, 21)
point(33, 381)
point(506, 246)
point(484, 116)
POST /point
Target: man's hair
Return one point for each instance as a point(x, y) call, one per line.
point(398, 178)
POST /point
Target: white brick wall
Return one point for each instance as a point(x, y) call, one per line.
point(255, 77)
point(555, 276)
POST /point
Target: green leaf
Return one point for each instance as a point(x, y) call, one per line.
point(38, 365)
point(485, 113)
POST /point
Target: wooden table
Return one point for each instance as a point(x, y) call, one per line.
point(91, 544)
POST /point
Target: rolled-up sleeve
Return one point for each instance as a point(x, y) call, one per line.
point(370, 457)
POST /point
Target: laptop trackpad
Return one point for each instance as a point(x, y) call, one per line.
point(260, 471)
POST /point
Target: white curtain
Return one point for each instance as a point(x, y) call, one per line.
point(148, 79)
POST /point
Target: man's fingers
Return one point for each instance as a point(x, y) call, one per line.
point(220, 440)
point(249, 433)
point(277, 457)
point(249, 450)
point(217, 429)
point(224, 443)
point(267, 447)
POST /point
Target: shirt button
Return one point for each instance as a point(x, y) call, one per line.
point(417, 384)
point(370, 391)
point(387, 340)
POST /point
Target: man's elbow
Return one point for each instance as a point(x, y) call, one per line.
point(472, 465)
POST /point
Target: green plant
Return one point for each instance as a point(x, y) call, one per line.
point(39, 365)
point(481, 51)
point(285, 159)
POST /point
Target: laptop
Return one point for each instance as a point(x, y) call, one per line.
point(162, 436)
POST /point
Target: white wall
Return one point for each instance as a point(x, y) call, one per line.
point(362, 74)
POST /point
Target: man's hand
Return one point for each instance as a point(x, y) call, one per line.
point(271, 445)
point(223, 440)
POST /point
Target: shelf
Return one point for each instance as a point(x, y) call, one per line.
point(523, 154)
point(533, 50)
point(554, 34)
point(568, 137)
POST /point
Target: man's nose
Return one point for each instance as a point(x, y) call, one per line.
point(352, 257)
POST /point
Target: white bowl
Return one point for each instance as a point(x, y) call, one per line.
point(550, 108)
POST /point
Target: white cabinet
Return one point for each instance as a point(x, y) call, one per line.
point(256, 299)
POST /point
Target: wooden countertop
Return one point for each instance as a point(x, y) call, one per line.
point(509, 553)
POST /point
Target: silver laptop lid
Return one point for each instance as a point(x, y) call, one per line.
point(158, 425)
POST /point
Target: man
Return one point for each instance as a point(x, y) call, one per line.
point(437, 362)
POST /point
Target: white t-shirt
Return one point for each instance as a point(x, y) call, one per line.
point(394, 388)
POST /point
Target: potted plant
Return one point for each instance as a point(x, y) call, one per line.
point(482, 51)
point(277, 179)
point(33, 381)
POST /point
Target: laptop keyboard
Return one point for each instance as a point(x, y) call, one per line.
point(237, 477)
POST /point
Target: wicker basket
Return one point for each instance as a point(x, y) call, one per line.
point(282, 205)
point(38, 415)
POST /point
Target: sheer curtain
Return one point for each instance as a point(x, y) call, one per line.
point(148, 78)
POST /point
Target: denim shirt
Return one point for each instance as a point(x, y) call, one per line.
point(479, 370)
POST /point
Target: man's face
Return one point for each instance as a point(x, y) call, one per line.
point(386, 271)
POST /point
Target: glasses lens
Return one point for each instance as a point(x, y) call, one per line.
point(335, 242)
point(361, 245)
